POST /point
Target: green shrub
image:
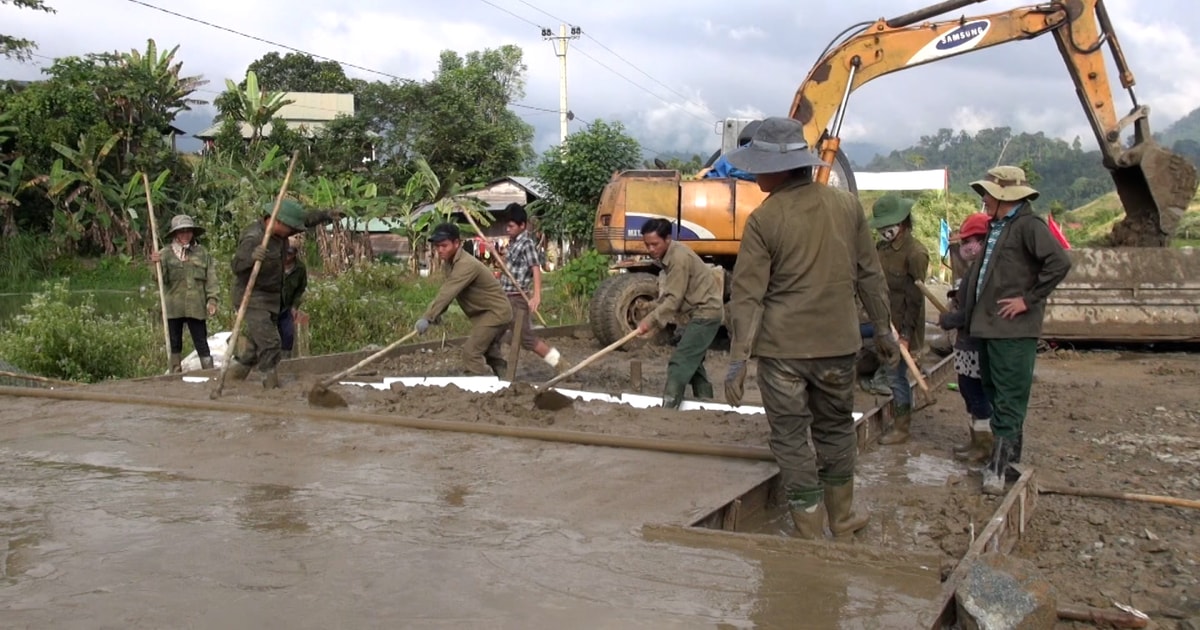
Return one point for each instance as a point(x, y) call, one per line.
point(26, 259)
point(580, 277)
point(53, 337)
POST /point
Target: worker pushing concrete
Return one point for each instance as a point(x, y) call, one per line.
point(690, 290)
point(803, 254)
point(478, 293)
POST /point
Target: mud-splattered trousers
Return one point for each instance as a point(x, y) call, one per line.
point(483, 352)
point(262, 347)
point(686, 366)
point(817, 395)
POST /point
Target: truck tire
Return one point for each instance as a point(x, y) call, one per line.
point(619, 303)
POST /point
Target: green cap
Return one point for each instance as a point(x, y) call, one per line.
point(890, 210)
point(291, 213)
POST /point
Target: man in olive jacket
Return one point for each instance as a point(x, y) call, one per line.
point(262, 347)
point(480, 297)
point(689, 289)
point(1005, 301)
point(804, 253)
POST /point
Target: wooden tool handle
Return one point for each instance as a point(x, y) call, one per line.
point(938, 304)
point(1113, 494)
point(158, 274)
point(590, 360)
point(357, 366)
point(912, 365)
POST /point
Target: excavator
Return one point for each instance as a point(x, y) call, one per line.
point(1136, 290)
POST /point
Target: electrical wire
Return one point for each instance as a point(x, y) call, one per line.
point(638, 85)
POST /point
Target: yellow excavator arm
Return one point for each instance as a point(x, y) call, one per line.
point(1155, 185)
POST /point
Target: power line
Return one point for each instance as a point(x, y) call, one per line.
point(544, 12)
point(500, 8)
point(638, 85)
point(310, 54)
point(644, 73)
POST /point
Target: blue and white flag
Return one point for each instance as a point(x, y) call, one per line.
point(944, 239)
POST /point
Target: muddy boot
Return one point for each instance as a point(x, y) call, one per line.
point(499, 367)
point(703, 391)
point(285, 354)
point(979, 448)
point(1011, 473)
point(206, 363)
point(176, 363)
point(900, 426)
point(238, 370)
point(961, 449)
point(808, 513)
point(270, 379)
point(673, 395)
point(994, 472)
point(562, 366)
point(839, 503)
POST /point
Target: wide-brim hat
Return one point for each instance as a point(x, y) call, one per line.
point(1006, 183)
point(890, 210)
point(778, 145)
point(184, 222)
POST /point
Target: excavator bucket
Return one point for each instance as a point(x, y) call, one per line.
point(1155, 186)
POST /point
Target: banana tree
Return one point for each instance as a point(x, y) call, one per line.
point(153, 95)
point(255, 107)
point(88, 201)
point(12, 184)
point(424, 211)
point(355, 198)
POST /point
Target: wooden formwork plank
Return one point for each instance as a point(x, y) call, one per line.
point(1007, 525)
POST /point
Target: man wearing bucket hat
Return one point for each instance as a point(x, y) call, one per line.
point(1004, 296)
point(478, 293)
point(191, 288)
point(804, 253)
point(905, 262)
point(262, 348)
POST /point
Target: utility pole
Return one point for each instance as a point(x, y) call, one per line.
point(560, 49)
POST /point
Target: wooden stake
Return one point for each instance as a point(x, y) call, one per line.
point(515, 353)
point(635, 375)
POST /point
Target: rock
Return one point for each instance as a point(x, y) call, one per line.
point(1000, 592)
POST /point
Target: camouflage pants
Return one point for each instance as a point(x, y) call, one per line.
point(482, 352)
point(816, 396)
point(262, 339)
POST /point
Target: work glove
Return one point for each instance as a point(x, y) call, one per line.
point(735, 382)
point(422, 326)
point(259, 253)
point(887, 348)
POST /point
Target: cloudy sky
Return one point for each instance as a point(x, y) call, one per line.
point(667, 70)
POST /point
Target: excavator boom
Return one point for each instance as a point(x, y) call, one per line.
point(1155, 185)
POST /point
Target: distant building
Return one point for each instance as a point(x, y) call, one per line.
point(307, 114)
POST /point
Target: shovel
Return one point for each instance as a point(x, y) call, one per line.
point(551, 400)
point(321, 396)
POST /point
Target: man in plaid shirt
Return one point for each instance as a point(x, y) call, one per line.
point(525, 264)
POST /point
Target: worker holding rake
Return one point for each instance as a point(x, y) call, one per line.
point(690, 289)
point(478, 293)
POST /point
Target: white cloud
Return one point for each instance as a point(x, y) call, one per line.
point(972, 119)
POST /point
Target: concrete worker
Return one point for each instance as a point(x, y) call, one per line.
point(905, 261)
point(978, 448)
point(295, 283)
point(689, 289)
point(1005, 301)
point(262, 349)
point(191, 286)
point(525, 264)
point(478, 293)
point(804, 252)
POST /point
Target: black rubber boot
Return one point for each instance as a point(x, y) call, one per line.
point(206, 363)
point(673, 395)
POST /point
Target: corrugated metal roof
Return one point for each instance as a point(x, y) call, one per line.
point(533, 185)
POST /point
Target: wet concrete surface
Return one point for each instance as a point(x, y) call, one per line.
point(125, 517)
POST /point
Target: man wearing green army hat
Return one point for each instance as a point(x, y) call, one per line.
point(905, 262)
point(262, 348)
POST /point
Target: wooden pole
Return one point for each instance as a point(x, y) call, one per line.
point(1121, 496)
point(38, 379)
point(241, 313)
point(162, 293)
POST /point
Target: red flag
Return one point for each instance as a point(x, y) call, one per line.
point(1057, 232)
